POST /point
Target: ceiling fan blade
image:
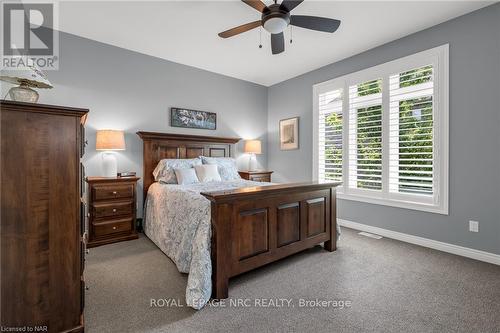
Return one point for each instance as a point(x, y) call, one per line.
point(277, 43)
point(290, 4)
point(240, 29)
point(257, 4)
point(315, 23)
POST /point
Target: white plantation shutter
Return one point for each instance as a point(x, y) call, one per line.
point(330, 135)
point(365, 135)
point(411, 135)
point(383, 132)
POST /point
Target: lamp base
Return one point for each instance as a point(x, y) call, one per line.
point(109, 165)
point(23, 93)
point(251, 162)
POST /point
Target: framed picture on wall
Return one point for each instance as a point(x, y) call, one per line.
point(193, 119)
point(289, 133)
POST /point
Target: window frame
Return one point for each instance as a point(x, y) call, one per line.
point(438, 57)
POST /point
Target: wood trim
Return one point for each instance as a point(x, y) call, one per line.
point(331, 245)
point(77, 329)
point(111, 179)
point(257, 191)
point(185, 137)
point(256, 172)
point(43, 108)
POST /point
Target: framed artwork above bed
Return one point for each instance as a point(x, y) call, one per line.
point(289, 133)
point(187, 118)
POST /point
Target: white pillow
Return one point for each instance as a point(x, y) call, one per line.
point(186, 176)
point(207, 173)
point(164, 171)
point(226, 165)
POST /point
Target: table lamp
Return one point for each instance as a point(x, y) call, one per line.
point(252, 147)
point(109, 140)
point(26, 77)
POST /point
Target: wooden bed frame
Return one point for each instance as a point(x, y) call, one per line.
point(253, 226)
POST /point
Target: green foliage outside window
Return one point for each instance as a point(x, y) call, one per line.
point(415, 146)
point(369, 147)
point(415, 76)
point(370, 87)
point(333, 146)
point(415, 135)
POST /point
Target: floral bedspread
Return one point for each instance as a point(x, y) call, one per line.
point(177, 220)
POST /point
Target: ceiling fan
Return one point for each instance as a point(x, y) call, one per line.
point(276, 18)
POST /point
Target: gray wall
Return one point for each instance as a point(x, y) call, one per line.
point(474, 131)
point(131, 91)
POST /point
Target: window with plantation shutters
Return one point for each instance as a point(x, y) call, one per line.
point(411, 154)
point(383, 132)
point(330, 135)
point(365, 135)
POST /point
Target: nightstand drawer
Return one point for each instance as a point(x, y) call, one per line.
point(112, 227)
point(262, 178)
point(112, 209)
point(256, 176)
point(113, 191)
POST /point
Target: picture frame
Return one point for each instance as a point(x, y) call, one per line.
point(187, 118)
point(289, 133)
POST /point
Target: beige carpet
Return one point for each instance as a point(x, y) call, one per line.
point(393, 287)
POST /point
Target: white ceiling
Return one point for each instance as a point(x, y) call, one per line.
point(186, 32)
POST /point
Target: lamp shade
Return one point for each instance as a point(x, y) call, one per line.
point(110, 140)
point(253, 147)
point(28, 75)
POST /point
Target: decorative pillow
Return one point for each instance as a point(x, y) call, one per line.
point(207, 173)
point(186, 176)
point(164, 171)
point(226, 166)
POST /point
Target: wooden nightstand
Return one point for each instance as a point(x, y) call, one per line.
point(112, 209)
point(257, 176)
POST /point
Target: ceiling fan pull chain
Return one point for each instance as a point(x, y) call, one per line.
point(260, 37)
point(291, 34)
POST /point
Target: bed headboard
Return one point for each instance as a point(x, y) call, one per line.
point(158, 146)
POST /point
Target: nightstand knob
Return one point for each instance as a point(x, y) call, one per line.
point(114, 210)
point(114, 192)
point(114, 228)
point(87, 251)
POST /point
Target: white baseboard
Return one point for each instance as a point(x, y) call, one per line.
point(425, 242)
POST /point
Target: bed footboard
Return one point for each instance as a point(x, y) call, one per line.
point(252, 227)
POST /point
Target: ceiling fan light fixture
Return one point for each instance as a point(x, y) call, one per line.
point(275, 25)
point(276, 18)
